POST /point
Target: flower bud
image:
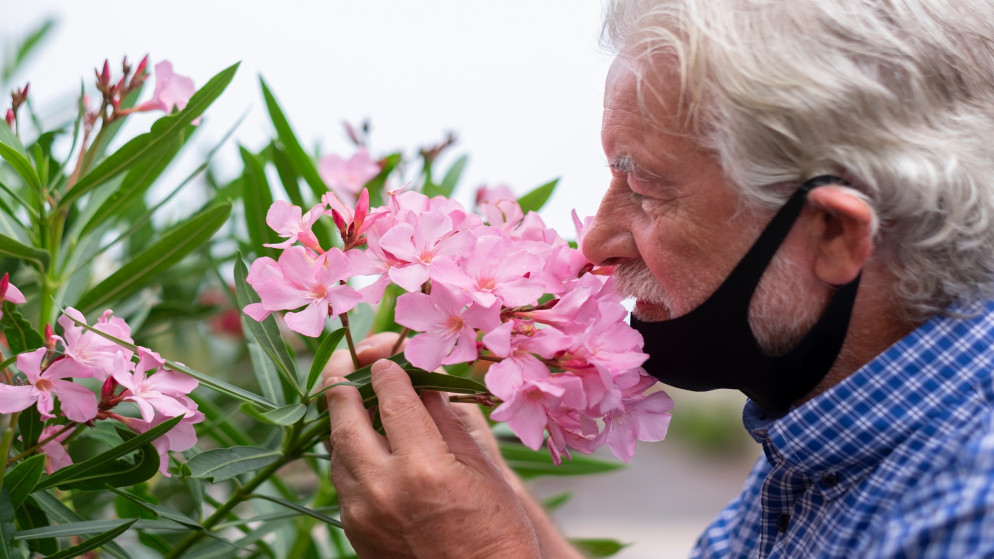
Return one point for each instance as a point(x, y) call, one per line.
point(10, 117)
point(50, 338)
point(108, 388)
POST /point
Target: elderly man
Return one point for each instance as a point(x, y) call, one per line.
point(802, 204)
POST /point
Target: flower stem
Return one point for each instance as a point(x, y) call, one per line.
point(400, 340)
point(348, 339)
point(41, 442)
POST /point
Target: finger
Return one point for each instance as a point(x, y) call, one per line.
point(472, 417)
point(339, 365)
point(353, 438)
point(377, 346)
point(453, 430)
point(406, 422)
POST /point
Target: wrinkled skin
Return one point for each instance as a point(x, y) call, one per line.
point(435, 485)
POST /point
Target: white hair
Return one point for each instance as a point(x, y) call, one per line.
point(897, 96)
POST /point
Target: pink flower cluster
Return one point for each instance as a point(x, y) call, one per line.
point(501, 287)
point(124, 376)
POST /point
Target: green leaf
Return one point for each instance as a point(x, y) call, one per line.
point(530, 463)
point(29, 516)
point(62, 514)
point(30, 424)
point(13, 247)
point(266, 333)
point(157, 258)
point(424, 380)
point(598, 548)
point(452, 176)
point(7, 527)
point(90, 469)
point(288, 176)
point(257, 197)
point(302, 163)
point(26, 47)
point(119, 473)
point(12, 150)
point(287, 415)
point(219, 464)
point(92, 543)
point(22, 478)
point(534, 200)
point(72, 529)
point(328, 345)
point(301, 509)
point(135, 184)
point(21, 337)
point(264, 369)
point(162, 135)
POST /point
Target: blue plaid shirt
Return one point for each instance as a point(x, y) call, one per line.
point(895, 461)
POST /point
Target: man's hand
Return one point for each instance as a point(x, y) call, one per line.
point(426, 489)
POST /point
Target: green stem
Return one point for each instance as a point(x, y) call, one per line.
point(7, 439)
point(348, 340)
point(236, 499)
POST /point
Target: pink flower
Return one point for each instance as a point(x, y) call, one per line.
point(447, 326)
point(492, 194)
point(641, 418)
point(300, 279)
point(352, 224)
point(171, 90)
point(159, 392)
point(526, 406)
point(179, 438)
point(347, 177)
point(56, 456)
point(9, 293)
point(413, 248)
point(89, 353)
point(77, 403)
point(292, 224)
point(494, 269)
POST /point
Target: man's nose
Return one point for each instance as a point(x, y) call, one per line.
point(609, 239)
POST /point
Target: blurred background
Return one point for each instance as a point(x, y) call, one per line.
point(518, 82)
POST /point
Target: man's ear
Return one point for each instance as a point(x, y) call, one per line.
point(842, 227)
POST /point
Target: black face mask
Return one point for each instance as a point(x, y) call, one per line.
point(713, 346)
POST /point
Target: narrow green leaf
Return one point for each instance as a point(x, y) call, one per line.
point(92, 543)
point(62, 514)
point(22, 478)
point(155, 259)
point(452, 176)
point(219, 464)
point(264, 369)
point(598, 548)
point(257, 198)
point(530, 463)
point(21, 337)
point(13, 247)
point(72, 529)
point(30, 516)
point(328, 345)
point(30, 424)
point(266, 333)
point(164, 131)
point(7, 527)
point(302, 162)
point(83, 469)
point(26, 47)
point(118, 473)
point(288, 176)
point(534, 200)
point(135, 184)
point(287, 415)
point(424, 380)
point(301, 509)
point(12, 150)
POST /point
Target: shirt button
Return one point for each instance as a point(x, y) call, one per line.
point(782, 522)
point(830, 480)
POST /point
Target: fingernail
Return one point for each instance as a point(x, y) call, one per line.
point(331, 381)
point(380, 365)
point(362, 347)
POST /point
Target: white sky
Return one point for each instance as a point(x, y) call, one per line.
point(520, 81)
